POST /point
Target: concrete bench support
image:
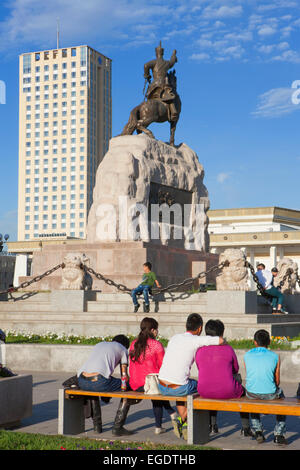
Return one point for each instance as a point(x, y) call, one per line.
point(198, 424)
point(15, 400)
point(70, 414)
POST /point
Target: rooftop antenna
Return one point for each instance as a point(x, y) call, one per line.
point(57, 34)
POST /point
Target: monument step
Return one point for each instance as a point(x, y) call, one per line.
point(269, 318)
point(177, 307)
point(178, 296)
point(123, 317)
point(26, 306)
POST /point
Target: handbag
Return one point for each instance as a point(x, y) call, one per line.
point(151, 385)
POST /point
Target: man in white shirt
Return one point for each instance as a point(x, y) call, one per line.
point(265, 278)
point(174, 375)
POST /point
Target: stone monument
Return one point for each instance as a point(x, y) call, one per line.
point(149, 201)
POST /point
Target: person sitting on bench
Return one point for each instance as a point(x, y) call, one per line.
point(148, 281)
point(218, 376)
point(95, 375)
point(174, 375)
point(262, 382)
point(145, 357)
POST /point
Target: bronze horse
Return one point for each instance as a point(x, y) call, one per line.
point(154, 110)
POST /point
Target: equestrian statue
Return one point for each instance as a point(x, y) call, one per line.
point(162, 102)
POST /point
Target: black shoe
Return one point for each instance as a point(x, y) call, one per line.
point(106, 399)
point(121, 432)
point(259, 437)
point(280, 440)
point(213, 429)
point(146, 308)
point(136, 307)
point(247, 432)
point(98, 428)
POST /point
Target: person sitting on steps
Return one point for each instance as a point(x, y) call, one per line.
point(265, 278)
point(148, 281)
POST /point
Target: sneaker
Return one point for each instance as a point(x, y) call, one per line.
point(146, 308)
point(136, 307)
point(213, 429)
point(259, 437)
point(177, 425)
point(247, 432)
point(282, 312)
point(280, 440)
point(159, 430)
point(184, 431)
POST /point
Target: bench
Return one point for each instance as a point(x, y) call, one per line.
point(198, 412)
point(71, 406)
point(71, 409)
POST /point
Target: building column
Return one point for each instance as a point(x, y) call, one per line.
point(281, 252)
point(273, 256)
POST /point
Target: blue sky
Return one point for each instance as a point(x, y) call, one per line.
point(236, 63)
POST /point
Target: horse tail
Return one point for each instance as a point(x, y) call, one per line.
point(132, 122)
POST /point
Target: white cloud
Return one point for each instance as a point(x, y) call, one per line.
point(33, 22)
point(266, 30)
point(201, 56)
point(275, 103)
point(222, 177)
point(222, 12)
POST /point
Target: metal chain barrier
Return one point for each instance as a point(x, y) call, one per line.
point(260, 288)
point(34, 279)
point(169, 288)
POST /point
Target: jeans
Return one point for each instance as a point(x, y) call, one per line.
point(158, 407)
point(188, 389)
point(280, 427)
point(100, 384)
point(141, 289)
point(277, 296)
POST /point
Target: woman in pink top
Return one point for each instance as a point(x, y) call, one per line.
point(145, 357)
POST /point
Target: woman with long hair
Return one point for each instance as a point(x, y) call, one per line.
point(145, 357)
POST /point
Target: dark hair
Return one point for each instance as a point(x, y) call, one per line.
point(194, 321)
point(122, 339)
point(261, 264)
point(148, 264)
point(274, 270)
point(214, 328)
point(139, 349)
point(262, 338)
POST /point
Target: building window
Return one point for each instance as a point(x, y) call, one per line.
point(27, 63)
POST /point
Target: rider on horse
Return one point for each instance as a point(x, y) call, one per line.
point(160, 88)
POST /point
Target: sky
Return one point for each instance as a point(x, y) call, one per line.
point(237, 72)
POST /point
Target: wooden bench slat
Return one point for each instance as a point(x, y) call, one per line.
point(135, 395)
point(287, 406)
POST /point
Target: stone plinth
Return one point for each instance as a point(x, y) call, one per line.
point(138, 173)
point(231, 302)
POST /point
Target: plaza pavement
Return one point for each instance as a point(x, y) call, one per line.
point(44, 419)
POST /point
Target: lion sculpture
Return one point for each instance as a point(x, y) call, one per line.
point(234, 275)
point(289, 285)
point(73, 276)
